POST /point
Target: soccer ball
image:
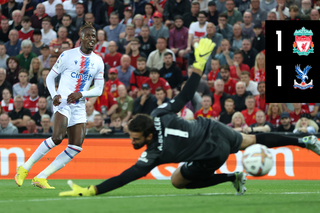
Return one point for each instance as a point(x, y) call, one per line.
point(257, 160)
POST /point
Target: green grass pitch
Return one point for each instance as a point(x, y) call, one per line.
point(148, 196)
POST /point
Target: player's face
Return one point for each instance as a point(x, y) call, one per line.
point(112, 76)
point(262, 88)
point(88, 40)
point(42, 103)
point(250, 103)
point(154, 76)
point(137, 139)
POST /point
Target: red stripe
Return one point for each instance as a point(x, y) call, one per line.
point(74, 149)
point(82, 63)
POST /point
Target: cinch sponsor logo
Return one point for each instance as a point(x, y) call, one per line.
point(85, 77)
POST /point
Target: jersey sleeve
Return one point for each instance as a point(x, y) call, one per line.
point(60, 64)
point(100, 72)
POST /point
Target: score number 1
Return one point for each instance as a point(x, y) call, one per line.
point(278, 32)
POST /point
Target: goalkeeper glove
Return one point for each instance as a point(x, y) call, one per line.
point(78, 191)
point(202, 51)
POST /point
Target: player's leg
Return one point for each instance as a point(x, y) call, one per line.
point(59, 130)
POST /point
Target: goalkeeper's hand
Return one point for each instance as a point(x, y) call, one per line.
point(78, 191)
point(202, 51)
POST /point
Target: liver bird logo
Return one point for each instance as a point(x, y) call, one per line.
point(303, 46)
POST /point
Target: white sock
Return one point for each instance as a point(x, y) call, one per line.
point(42, 149)
point(61, 160)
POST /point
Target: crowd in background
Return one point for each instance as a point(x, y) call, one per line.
point(147, 48)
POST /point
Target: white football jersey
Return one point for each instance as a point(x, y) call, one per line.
point(77, 71)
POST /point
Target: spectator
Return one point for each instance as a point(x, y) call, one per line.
point(28, 7)
point(23, 86)
point(160, 97)
point(259, 15)
point(156, 57)
point(91, 112)
point(113, 83)
point(115, 28)
point(158, 30)
point(261, 126)
point(45, 56)
point(127, 16)
point(242, 5)
point(113, 58)
point(273, 114)
point(178, 37)
point(237, 38)
point(8, 8)
point(281, 10)
point(250, 113)
point(26, 31)
point(102, 43)
point(34, 71)
point(251, 86)
point(31, 127)
point(240, 96)
point(37, 18)
point(13, 70)
point(138, 23)
point(213, 13)
point(314, 15)
point(56, 20)
point(37, 43)
point(260, 100)
point(154, 81)
point(116, 123)
point(125, 104)
point(72, 31)
point(31, 102)
point(305, 10)
point(50, 7)
point(70, 7)
point(42, 109)
point(134, 51)
point(123, 42)
point(192, 16)
point(249, 53)
point(65, 46)
point(125, 70)
point(297, 112)
point(98, 123)
point(19, 116)
point(221, 5)
point(6, 127)
point(45, 125)
point(147, 42)
point(173, 8)
point(226, 117)
point(89, 17)
point(6, 100)
point(3, 82)
point(268, 5)
point(285, 123)
point(238, 66)
point(234, 16)
point(3, 56)
point(219, 97)
point(258, 42)
point(112, 7)
point(4, 32)
point(229, 83)
point(143, 104)
point(223, 27)
point(149, 10)
point(26, 56)
point(52, 60)
point(78, 21)
point(306, 125)
point(197, 29)
point(203, 88)
point(247, 25)
point(16, 23)
point(213, 74)
point(225, 56)
point(55, 44)
point(237, 122)
point(259, 68)
point(206, 111)
point(13, 46)
point(294, 13)
point(170, 71)
point(47, 33)
point(214, 36)
point(138, 77)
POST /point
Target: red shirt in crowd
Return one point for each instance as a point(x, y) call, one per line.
point(259, 75)
point(112, 61)
point(209, 114)
point(295, 117)
point(28, 35)
point(230, 86)
point(134, 60)
point(274, 121)
point(243, 67)
point(250, 118)
point(112, 87)
point(9, 107)
point(161, 3)
point(216, 106)
point(31, 104)
point(137, 79)
point(106, 99)
point(261, 103)
point(161, 83)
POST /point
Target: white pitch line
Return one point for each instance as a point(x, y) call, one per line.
point(145, 196)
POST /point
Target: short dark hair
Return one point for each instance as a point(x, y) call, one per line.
point(136, 39)
point(142, 123)
point(261, 82)
point(245, 73)
point(160, 89)
point(115, 116)
point(153, 70)
point(203, 13)
point(23, 70)
point(114, 13)
point(141, 59)
point(12, 58)
point(195, 3)
point(67, 15)
point(223, 15)
point(25, 19)
point(65, 42)
point(225, 67)
point(238, 52)
point(168, 53)
point(47, 19)
point(53, 56)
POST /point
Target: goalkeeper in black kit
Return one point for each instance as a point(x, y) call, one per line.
point(204, 144)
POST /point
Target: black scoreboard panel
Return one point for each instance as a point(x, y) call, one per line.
point(292, 61)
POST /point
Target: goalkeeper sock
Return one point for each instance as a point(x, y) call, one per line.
point(42, 149)
point(61, 160)
point(274, 140)
point(216, 179)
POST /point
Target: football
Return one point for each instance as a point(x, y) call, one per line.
point(257, 160)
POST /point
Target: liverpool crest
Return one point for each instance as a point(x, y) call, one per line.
point(303, 44)
point(302, 75)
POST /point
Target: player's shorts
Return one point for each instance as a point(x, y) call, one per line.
point(227, 141)
point(76, 113)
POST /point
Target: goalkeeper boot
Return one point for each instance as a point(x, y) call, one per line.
point(41, 183)
point(78, 191)
point(239, 182)
point(21, 175)
point(312, 143)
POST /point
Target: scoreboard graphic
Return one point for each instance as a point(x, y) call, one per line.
point(292, 61)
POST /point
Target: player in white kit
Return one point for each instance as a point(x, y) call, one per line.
point(78, 68)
